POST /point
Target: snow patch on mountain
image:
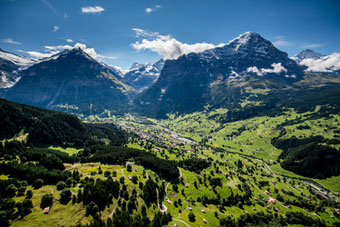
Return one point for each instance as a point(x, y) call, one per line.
point(118, 70)
point(16, 59)
point(7, 81)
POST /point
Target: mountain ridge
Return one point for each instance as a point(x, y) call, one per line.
point(181, 85)
point(70, 81)
point(186, 83)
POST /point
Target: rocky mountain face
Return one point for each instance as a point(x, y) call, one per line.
point(188, 83)
point(10, 67)
point(141, 76)
point(72, 81)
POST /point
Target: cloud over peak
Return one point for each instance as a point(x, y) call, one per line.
point(92, 9)
point(312, 45)
point(329, 63)
point(52, 50)
point(165, 45)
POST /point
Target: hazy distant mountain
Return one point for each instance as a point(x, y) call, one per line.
point(305, 54)
point(10, 65)
point(141, 76)
point(189, 82)
point(70, 81)
point(316, 62)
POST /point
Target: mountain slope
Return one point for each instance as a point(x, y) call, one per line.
point(187, 83)
point(71, 81)
point(53, 128)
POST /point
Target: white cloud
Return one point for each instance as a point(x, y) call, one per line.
point(65, 15)
point(36, 54)
point(148, 10)
point(277, 68)
point(55, 28)
point(10, 41)
point(280, 41)
point(329, 63)
point(69, 40)
point(89, 51)
point(144, 33)
point(312, 45)
point(49, 6)
point(165, 45)
point(52, 50)
point(92, 9)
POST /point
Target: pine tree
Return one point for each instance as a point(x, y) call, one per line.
point(74, 199)
point(80, 196)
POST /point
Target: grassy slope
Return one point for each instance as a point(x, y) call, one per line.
point(71, 214)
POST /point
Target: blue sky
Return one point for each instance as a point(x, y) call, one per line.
point(112, 27)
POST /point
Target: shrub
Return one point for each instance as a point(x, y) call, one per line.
point(92, 209)
point(11, 190)
point(61, 185)
point(38, 183)
point(46, 201)
point(29, 194)
point(65, 196)
point(192, 217)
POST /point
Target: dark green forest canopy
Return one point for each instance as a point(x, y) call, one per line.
point(309, 157)
point(119, 155)
point(46, 127)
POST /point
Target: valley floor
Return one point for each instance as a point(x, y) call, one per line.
point(245, 176)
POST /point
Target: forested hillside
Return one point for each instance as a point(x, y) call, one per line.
point(48, 127)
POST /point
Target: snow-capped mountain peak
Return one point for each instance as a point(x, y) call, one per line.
point(244, 39)
point(305, 54)
point(248, 43)
point(136, 65)
point(141, 76)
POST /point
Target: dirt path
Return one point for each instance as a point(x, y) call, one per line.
point(176, 219)
point(115, 207)
point(162, 209)
point(165, 208)
point(124, 174)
